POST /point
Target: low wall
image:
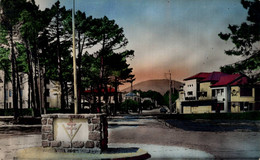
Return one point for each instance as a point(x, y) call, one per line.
point(85, 133)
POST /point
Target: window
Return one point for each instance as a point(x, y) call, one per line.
point(190, 93)
point(202, 94)
point(10, 93)
point(213, 93)
point(245, 91)
point(222, 92)
point(217, 92)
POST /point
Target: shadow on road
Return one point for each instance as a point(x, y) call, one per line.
point(215, 125)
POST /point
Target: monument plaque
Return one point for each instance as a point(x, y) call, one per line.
point(70, 130)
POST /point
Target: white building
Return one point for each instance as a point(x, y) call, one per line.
point(192, 84)
point(6, 94)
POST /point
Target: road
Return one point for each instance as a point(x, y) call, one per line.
point(171, 140)
point(240, 142)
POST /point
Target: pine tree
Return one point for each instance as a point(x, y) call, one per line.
point(246, 39)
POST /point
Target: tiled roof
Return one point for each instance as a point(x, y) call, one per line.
point(109, 90)
point(227, 79)
point(201, 75)
point(214, 76)
point(241, 81)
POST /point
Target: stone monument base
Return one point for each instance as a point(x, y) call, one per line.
point(77, 133)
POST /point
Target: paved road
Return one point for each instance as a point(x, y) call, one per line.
point(175, 139)
point(239, 142)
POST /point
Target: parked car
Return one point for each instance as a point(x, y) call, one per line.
point(163, 110)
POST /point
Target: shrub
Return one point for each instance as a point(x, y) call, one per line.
point(147, 104)
point(129, 104)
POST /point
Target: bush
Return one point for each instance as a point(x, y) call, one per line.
point(147, 104)
point(129, 104)
point(10, 112)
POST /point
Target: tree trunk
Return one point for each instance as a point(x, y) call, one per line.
point(36, 87)
point(59, 63)
point(13, 59)
point(5, 95)
point(106, 95)
point(19, 92)
point(46, 93)
point(116, 95)
point(67, 95)
point(30, 78)
point(99, 98)
point(29, 91)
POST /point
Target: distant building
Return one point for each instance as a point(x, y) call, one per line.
point(6, 92)
point(91, 95)
point(133, 96)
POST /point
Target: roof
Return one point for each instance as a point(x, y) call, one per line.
point(242, 81)
point(201, 75)
point(130, 94)
point(110, 90)
point(226, 80)
point(214, 76)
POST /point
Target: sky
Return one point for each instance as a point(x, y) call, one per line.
point(180, 36)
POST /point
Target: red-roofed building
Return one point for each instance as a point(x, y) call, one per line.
point(214, 77)
point(244, 97)
point(109, 90)
point(221, 91)
point(218, 92)
point(205, 90)
point(199, 76)
point(226, 80)
point(191, 87)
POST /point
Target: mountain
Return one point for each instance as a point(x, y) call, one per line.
point(159, 85)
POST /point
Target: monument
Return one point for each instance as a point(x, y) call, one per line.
point(80, 133)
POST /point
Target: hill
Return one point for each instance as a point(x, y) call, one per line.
point(159, 85)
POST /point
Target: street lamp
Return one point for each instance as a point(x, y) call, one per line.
point(74, 61)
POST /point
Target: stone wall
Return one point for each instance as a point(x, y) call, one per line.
point(83, 132)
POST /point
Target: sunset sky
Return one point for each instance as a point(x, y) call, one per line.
point(176, 35)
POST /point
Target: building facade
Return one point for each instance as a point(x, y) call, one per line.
point(6, 92)
point(217, 92)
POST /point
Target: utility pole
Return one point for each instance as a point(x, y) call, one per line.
point(74, 61)
point(170, 91)
point(131, 81)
